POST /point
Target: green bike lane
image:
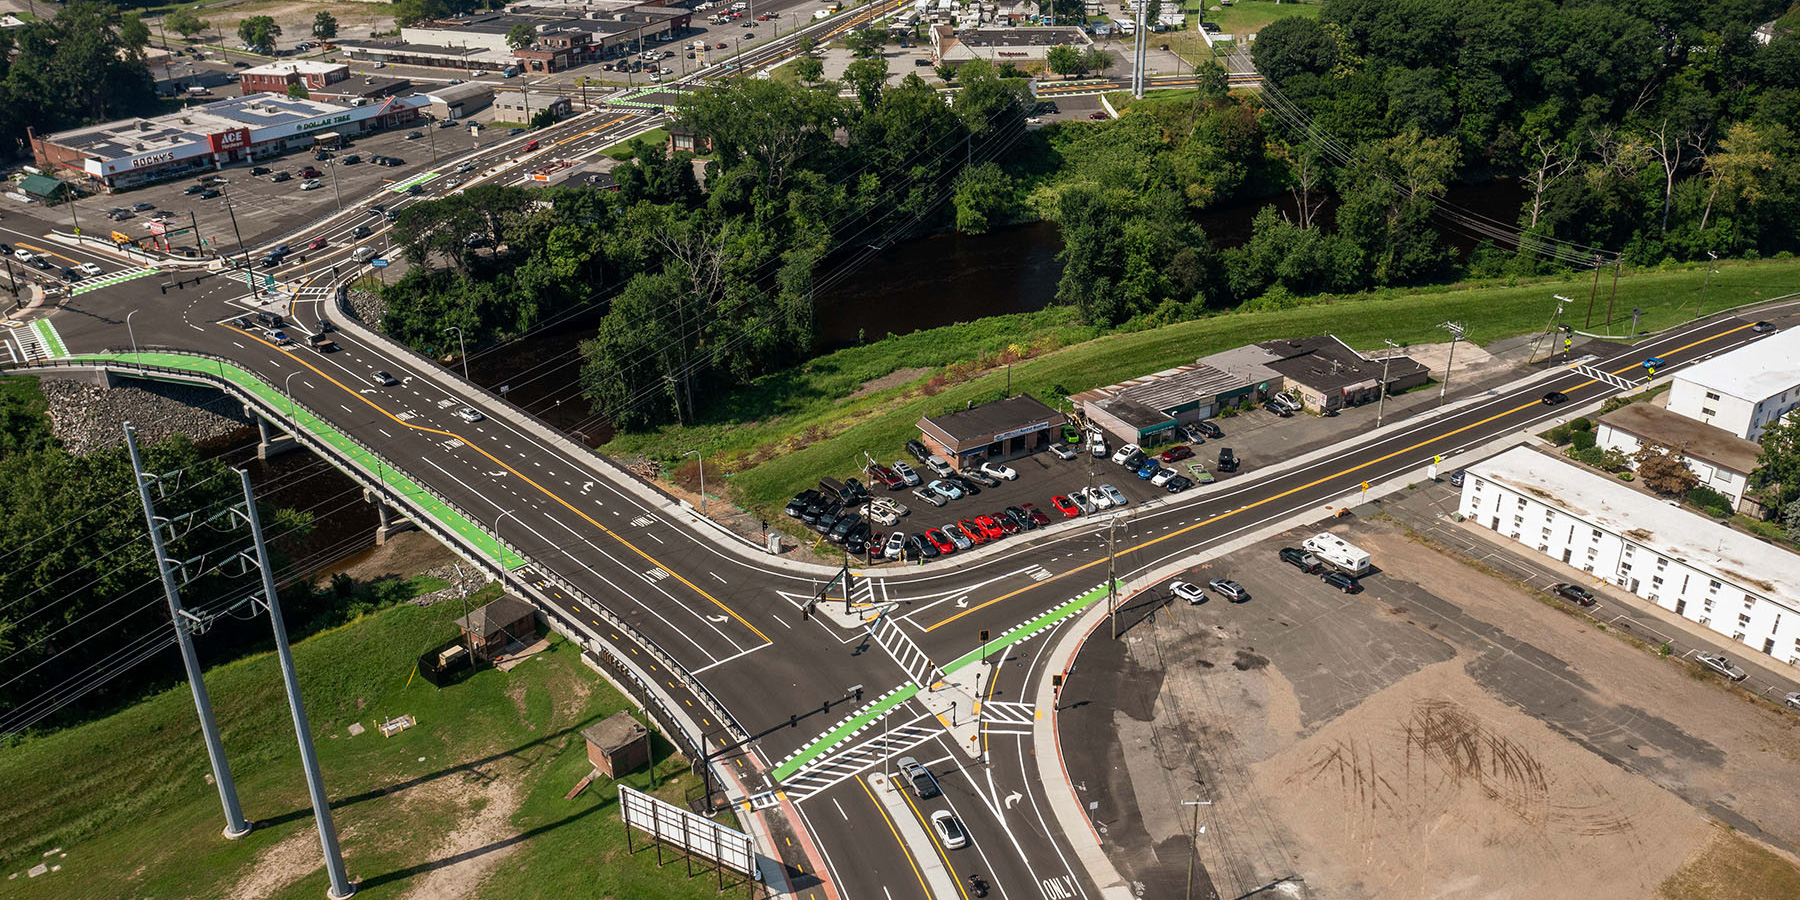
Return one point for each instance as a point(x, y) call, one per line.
point(299, 417)
point(872, 713)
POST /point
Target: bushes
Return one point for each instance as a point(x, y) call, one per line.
point(1710, 502)
point(1582, 440)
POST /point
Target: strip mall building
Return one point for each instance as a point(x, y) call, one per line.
point(132, 152)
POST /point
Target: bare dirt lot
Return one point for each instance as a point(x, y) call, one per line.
point(1444, 734)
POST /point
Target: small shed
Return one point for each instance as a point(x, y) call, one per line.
point(44, 188)
point(492, 628)
point(617, 744)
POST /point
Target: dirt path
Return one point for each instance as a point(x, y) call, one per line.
point(473, 849)
point(292, 858)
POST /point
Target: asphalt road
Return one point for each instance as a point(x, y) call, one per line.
point(731, 617)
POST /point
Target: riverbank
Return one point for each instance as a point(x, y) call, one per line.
point(467, 803)
point(768, 440)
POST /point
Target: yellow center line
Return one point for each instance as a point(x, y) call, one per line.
point(932, 837)
point(44, 250)
point(896, 833)
point(1311, 484)
point(522, 477)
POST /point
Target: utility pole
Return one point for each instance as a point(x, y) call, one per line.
point(1112, 583)
point(1710, 272)
point(249, 273)
point(1194, 853)
point(309, 758)
point(462, 348)
point(1381, 398)
point(1140, 49)
point(1589, 322)
point(1456, 334)
point(235, 826)
point(1618, 264)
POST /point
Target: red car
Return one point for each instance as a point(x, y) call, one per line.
point(1065, 506)
point(317, 244)
point(939, 541)
point(1037, 515)
point(885, 475)
point(990, 527)
point(310, 172)
point(973, 532)
point(720, 47)
point(1177, 453)
point(1006, 523)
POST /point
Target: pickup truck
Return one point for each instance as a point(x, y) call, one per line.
point(322, 343)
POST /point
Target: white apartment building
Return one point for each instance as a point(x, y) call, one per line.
point(1729, 582)
point(1744, 390)
point(1721, 461)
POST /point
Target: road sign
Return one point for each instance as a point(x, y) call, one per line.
point(268, 281)
point(378, 263)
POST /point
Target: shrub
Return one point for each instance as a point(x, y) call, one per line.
point(1592, 456)
point(1558, 435)
point(1581, 424)
point(1582, 439)
point(1714, 503)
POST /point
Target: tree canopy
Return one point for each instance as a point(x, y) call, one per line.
point(84, 65)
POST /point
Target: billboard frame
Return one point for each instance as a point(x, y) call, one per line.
point(695, 835)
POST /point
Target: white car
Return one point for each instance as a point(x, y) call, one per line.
point(896, 546)
point(1097, 445)
point(929, 496)
point(1000, 471)
point(1720, 664)
point(936, 464)
point(1124, 453)
point(891, 505)
point(1792, 701)
point(1080, 499)
point(1098, 497)
point(879, 515)
point(1112, 493)
point(88, 269)
point(1192, 593)
point(311, 184)
point(469, 414)
point(949, 830)
point(1162, 476)
point(906, 473)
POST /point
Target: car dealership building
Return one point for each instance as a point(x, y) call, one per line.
point(131, 152)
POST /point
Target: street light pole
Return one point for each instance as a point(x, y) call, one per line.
point(702, 461)
point(1701, 309)
point(287, 387)
point(130, 331)
point(249, 275)
point(1456, 334)
point(462, 348)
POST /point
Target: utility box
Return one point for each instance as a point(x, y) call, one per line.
point(617, 744)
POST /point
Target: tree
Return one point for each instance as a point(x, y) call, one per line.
point(1778, 464)
point(1096, 60)
point(298, 90)
point(866, 43)
point(412, 12)
point(1293, 46)
point(1662, 469)
point(809, 69)
point(520, 36)
point(134, 35)
point(185, 23)
point(1063, 60)
point(945, 72)
point(984, 197)
point(260, 33)
point(866, 76)
point(325, 26)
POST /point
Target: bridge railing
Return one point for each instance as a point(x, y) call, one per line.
point(366, 466)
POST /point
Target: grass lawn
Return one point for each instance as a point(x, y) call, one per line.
point(468, 803)
point(782, 432)
point(1241, 19)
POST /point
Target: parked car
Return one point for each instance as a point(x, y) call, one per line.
point(907, 476)
point(1192, 593)
point(969, 488)
point(1065, 506)
point(1176, 453)
point(1000, 470)
point(936, 464)
point(896, 545)
point(350, 160)
point(280, 177)
point(858, 493)
point(1341, 581)
point(945, 489)
point(1061, 451)
point(1162, 477)
point(1300, 559)
point(1229, 589)
point(972, 531)
point(1277, 409)
point(193, 189)
point(1178, 484)
point(917, 777)
point(1124, 453)
point(949, 831)
point(1720, 664)
point(940, 541)
point(929, 496)
point(310, 172)
point(918, 451)
point(1096, 497)
point(841, 531)
point(800, 502)
point(880, 474)
point(1026, 523)
point(1112, 493)
point(1209, 429)
point(258, 171)
point(1097, 445)
point(956, 537)
point(1147, 469)
point(878, 515)
point(990, 527)
point(1574, 593)
point(919, 548)
point(1036, 516)
point(414, 135)
point(1228, 461)
point(142, 207)
point(311, 184)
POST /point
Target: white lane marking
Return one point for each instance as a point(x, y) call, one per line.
point(716, 577)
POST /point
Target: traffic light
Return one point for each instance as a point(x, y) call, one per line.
point(984, 635)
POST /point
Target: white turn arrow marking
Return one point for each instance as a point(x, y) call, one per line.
point(1012, 798)
point(962, 602)
point(715, 619)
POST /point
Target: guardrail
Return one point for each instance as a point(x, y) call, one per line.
point(372, 478)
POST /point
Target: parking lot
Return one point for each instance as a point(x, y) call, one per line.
point(264, 208)
point(1444, 732)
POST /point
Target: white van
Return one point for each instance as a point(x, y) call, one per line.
point(363, 254)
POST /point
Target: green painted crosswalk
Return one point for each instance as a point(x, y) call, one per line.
point(401, 187)
point(94, 284)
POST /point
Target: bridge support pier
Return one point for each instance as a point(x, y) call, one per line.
point(390, 524)
point(269, 442)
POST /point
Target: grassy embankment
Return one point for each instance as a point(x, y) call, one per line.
point(785, 430)
point(481, 778)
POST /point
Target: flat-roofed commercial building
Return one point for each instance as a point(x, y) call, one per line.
point(1688, 564)
point(1003, 429)
point(130, 152)
point(1744, 390)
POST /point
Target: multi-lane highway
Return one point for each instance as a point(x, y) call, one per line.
point(600, 550)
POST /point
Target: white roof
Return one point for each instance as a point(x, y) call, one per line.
point(1671, 531)
point(1754, 371)
point(298, 66)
